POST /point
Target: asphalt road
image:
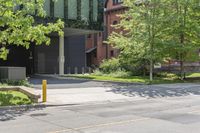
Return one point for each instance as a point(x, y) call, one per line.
point(66, 82)
point(172, 108)
point(154, 115)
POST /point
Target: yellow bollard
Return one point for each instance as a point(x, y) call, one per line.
point(44, 90)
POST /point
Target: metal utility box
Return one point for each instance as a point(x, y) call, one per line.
point(12, 73)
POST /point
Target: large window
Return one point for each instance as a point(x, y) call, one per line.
point(59, 9)
point(72, 9)
point(117, 2)
point(95, 10)
point(85, 10)
point(47, 7)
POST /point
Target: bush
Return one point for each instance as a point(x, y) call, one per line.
point(116, 74)
point(15, 83)
point(109, 66)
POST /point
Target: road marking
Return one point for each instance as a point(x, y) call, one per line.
point(101, 125)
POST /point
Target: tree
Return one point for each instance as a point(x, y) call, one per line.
point(18, 25)
point(142, 28)
point(183, 31)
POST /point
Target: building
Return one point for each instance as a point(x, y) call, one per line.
point(97, 49)
point(112, 9)
point(69, 54)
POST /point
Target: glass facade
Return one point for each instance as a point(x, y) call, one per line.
point(95, 10)
point(47, 7)
point(72, 9)
point(85, 10)
point(59, 9)
point(76, 12)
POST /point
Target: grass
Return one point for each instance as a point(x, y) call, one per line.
point(8, 98)
point(160, 79)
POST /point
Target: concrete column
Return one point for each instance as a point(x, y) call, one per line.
point(61, 55)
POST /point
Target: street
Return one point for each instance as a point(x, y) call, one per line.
point(172, 108)
point(162, 115)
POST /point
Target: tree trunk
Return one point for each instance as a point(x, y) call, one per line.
point(151, 70)
point(181, 69)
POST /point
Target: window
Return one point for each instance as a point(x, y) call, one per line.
point(99, 34)
point(117, 2)
point(114, 22)
point(111, 53)
point(89, 36)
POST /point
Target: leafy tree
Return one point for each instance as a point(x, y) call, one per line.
point(182, 31)
point(18, 25)
point(140, 39)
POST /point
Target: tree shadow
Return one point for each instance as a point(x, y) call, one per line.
point(12, 113)
point(7, 99)
point(155, 91)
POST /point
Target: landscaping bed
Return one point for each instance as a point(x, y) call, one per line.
point(8, 98)
point(160, 79)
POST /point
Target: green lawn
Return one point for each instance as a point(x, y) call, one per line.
point(168, 78)
point(8, 98)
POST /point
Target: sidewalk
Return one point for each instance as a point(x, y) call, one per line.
point(84, 95)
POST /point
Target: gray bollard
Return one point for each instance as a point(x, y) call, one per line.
point(76, 70)
point(89, 70)
point(68, 70)
point(83, 70)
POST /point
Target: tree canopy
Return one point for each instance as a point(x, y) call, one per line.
point(18, 25)
point(152, 30)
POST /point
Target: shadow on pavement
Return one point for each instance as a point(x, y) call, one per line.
point(155, 91)
point(12, 113)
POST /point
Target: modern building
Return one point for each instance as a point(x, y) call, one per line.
point(76, 50)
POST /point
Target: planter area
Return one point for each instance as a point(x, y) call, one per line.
point(17, 95)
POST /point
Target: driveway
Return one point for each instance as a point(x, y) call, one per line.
point(64, 90)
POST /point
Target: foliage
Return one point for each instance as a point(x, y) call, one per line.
point(182, 30)
point(140, 40)
point(115, 74)
point(109, 66)
point(8, 98)
point(155, 30)
point(161, 78)
point(18, 25)
point(15, 83)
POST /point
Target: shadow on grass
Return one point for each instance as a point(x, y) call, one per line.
point(155, 91)
point(7, 99)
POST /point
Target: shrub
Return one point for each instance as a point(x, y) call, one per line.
point(116, 74)
point(15, 83)
point(111, 65)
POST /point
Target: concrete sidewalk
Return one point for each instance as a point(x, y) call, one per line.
point(84, 95)
point(119, 93)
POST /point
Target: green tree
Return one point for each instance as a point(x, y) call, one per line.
point(182, 31)
point(140, 39)
point(18, 25)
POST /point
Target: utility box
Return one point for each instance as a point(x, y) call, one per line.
point(12, 73)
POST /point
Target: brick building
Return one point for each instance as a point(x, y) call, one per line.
point(97, 49)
